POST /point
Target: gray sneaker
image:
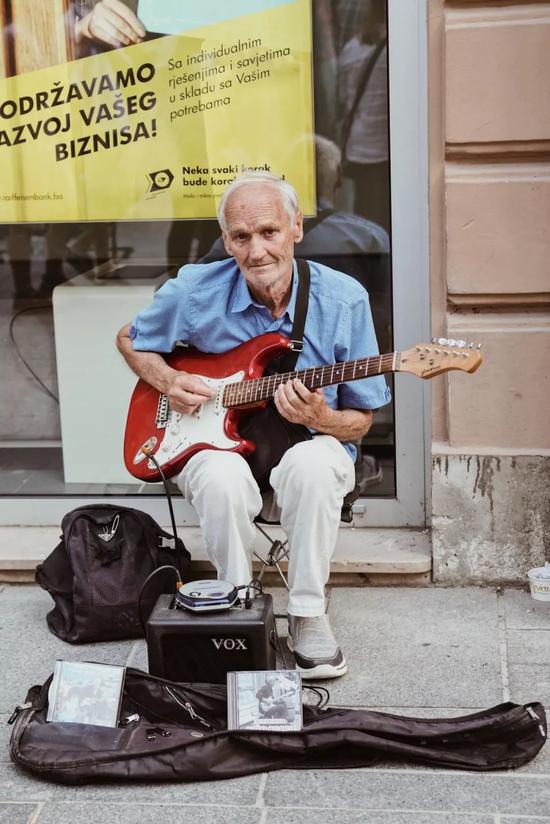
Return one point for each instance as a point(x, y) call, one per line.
point(314, 646)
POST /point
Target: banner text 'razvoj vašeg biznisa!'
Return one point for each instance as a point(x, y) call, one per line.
point(157, 130)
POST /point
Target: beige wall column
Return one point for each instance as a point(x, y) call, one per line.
point(490, 278)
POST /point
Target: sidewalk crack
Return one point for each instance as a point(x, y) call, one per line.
point(33, 818)
point(503, 647)
point(260, 798)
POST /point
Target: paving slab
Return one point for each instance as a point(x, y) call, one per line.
point(529, 665)
point(5, 733)
point(137, 656)
point(523, 612)
point(529, 647)
point(417, 647)
point(16, 813)
point(29, 649)
point(302, 816)
point(18, 785)
point(146, 814)
point(405, 791)
point(530, 684)
point(506, 819)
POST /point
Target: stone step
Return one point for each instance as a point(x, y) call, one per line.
point(363, 555)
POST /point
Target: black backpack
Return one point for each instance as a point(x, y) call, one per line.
point(97, 570)
point(178, 732)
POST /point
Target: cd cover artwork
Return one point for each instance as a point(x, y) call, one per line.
point(264, 700)
point(82, 692)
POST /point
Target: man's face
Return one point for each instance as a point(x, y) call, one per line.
point(260, 236)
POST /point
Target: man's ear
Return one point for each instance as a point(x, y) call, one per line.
point(298, 227)
point(227, 243)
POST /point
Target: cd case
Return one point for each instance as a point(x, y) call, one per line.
point(82, 692)
point(264, 700)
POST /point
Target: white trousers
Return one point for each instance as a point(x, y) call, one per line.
point(310, 483)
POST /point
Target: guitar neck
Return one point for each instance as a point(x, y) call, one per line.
point(263, 389)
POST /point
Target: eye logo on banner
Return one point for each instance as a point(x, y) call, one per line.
point(160, 180)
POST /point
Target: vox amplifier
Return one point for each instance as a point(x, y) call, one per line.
point(204, 647)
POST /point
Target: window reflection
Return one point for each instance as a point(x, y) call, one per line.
point(351, 233)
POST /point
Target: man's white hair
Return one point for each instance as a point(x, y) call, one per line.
point(287, 192)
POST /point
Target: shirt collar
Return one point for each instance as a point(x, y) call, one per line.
point(242, 298)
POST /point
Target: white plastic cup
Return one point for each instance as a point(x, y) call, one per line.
point(539, 582)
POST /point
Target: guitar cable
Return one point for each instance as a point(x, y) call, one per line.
point(148, 454)
point(26, 364)
point(177, 541)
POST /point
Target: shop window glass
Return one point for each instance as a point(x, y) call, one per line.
point(61, 281)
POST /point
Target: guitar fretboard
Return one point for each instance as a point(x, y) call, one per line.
point(262, 389)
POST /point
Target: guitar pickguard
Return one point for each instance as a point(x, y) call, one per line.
point(206, 425)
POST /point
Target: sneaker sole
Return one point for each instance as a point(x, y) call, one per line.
point(322, 671)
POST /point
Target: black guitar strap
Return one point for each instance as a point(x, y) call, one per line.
point(288, 362)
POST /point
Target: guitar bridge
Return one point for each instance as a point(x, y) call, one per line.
point(163, 412)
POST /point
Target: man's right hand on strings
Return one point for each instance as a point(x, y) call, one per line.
point(187, 392)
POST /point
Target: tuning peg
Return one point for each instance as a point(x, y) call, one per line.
point(433, 340)
point(478, 346)
point(451, 342)
point(442, 341)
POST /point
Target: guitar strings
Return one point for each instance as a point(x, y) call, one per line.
point(260, 389)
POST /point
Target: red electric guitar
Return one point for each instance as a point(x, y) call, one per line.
point(152, 428)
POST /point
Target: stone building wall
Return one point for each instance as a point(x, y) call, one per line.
point(489, 65)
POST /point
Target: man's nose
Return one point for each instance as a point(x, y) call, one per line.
point(256, 248)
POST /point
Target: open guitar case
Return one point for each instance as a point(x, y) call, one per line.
point(178, 732)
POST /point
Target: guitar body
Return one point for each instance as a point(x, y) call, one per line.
point(173, 437)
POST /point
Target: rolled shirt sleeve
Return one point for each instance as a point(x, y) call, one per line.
point(368, 393)
point(168, 319)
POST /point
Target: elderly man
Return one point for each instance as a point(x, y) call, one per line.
point(217, 306)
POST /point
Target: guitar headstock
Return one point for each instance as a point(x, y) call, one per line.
point(440, 355)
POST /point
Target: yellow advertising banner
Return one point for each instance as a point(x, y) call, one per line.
point(158, 129)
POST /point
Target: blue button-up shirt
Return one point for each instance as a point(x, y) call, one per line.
point(209, 306)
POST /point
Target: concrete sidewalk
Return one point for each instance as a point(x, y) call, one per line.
point(425, 651)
